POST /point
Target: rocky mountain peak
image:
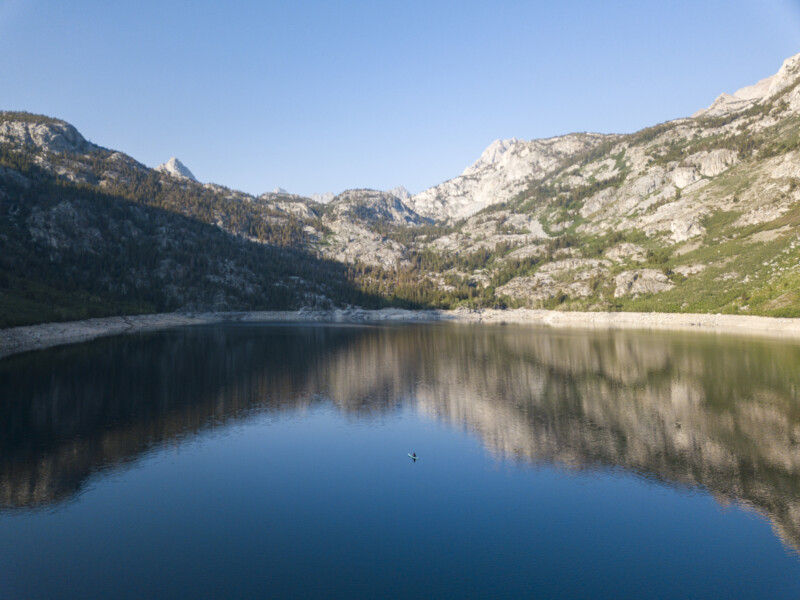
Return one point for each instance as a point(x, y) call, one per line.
point(752, 94)
point(176, 168)
point(787, 75)
point(400, 192)
point(503, 170)
point(492, 154)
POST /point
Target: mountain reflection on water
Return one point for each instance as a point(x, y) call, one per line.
point(690, 411)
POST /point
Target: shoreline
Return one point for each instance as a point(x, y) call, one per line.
point(16, 340)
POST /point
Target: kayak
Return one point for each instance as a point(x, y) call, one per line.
point(412, 457)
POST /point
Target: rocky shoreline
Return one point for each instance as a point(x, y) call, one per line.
point(36, 337)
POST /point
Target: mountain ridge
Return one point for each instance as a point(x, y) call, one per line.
point(698, 214)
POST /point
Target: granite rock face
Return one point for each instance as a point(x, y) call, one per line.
point(54, 136)
point(641, 281)
point(501, 172)
point(352, 218)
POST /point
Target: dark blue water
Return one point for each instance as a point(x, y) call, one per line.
point(253, 462)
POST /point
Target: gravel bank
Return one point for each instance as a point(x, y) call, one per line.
point(36, 337)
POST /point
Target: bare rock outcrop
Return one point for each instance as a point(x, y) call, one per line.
point(50, 136)
point(502, 171)
point(371, 206)
point(715, 162)
point(626, 251)
point(571, 277)
point(641, 281)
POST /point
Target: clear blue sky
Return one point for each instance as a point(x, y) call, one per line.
point(318, 96)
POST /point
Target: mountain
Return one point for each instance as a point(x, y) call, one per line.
point(176, 169)
point(356, 221)
point(400, 192)
point(501, 172)
point(86, 231)
point(699, 214)
point(506, 166)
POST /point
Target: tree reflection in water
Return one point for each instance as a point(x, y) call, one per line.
point(721, 414)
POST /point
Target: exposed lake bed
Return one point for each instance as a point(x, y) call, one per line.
point(46, 335)
point(272, 460)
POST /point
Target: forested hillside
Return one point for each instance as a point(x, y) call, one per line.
point(73, 245)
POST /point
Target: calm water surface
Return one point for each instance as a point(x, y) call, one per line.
point(271, 461)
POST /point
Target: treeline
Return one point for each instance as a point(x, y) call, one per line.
point(7, 116)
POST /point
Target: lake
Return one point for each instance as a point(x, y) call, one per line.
point(254, 461)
